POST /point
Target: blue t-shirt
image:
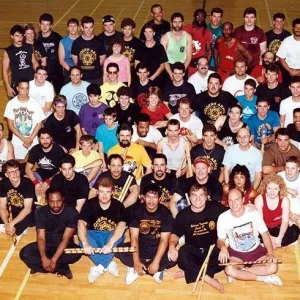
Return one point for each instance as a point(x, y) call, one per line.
point(108, 137)
point(264, 127)
point(67, 43)
point(249, 108)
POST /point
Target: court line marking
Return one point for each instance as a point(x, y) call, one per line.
point(257, 18)
point(288, 19)
point(93, 11)
point(66, 13)
point(138, 10)
point(22, 286)
point(297, 259)
point(269, 13)
point(118, 16)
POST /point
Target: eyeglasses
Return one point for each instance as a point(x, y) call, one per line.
point(112, 72)
point(15, 171)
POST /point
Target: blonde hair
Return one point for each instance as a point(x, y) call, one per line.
point(274, 178)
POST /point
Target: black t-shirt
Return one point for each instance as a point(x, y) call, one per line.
point(88, 52)
point(48, 162)
point(213, 186)
point(118, 183)
point(63, 131)
point(210, 108)
point(108, 39)
point(152, 57)
point(72, 190)
point(39, 50)
point(172, 94)
point(132, 48)
point(55, 224)
point(100, 219)
point(294, 134)
point(274, 40)
point(15, 197)
point(160, 30)
point(150, 225)
point(226, 135)
point(168, 185)
point(51, 44)
point(275, 96)
point(20, 62)
point(129, 115)
point(139, 92)
point(199, 229)
point(214, 156)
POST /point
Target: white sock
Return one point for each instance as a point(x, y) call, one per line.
point(261, 278)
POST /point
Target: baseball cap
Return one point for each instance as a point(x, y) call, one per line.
point(108, 18)
point(202, 160)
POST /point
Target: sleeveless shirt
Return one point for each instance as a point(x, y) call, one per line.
point(176, 49)
point(174, 158)
point(272, 218)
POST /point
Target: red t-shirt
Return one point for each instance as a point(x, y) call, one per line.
point(251, 40)
point(158, 115)
point(227, 55)
point(199, 39)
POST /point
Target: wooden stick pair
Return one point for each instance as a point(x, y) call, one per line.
point(10, 218)
point(256, 262)
point(126, 187)
point(187, 198)
point(98, 250)
point(202, 272)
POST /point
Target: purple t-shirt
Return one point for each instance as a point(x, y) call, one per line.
point(91, 117)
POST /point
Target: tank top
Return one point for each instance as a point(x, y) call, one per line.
point(227, 55)
point(67, 43)
point(3, 154)
point(20, 62)
point(272, 218)
point(176, 49)
point(226, 135)
point(174, 158)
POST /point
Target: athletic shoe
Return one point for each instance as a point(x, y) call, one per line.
point(64, 270)
point(158, 277)
point(26, 231)
point(181, 241)
point(131, 276)
point(32, 271)
point(2, 228)
point(273, 279)
point(95, 272)
point(230, 279)
point(113, 269)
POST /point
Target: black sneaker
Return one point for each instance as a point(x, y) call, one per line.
point(64, 270)
point(32, 271)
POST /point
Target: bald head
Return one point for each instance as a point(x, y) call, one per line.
point(235, 202)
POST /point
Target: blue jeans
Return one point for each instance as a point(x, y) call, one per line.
point(98, 239)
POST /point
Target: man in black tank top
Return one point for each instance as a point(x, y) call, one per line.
point(19, 61)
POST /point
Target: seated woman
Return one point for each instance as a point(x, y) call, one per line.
point(240, 178)
point(228, 126)
point(87, 160)
point(274, 207)
point(156, 109)
point(6, 150)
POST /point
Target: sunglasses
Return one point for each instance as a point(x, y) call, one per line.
point(112, 72)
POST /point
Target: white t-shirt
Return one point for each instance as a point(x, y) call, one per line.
point(25, 116)
point(194, 124)
point(153, 135)
point(242, 232)
point(236, 86)
point(252, 159)
point(290, 51)
point(295, 185)
point(199, 83)
point(286, 108)
point(76, 95)
point(41, 94)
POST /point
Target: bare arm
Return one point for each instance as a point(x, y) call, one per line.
point(128, 73)
point(282, 120)
point(134, 239)
point(79, 204)
point(263, 48)
point(173, 204)
point(11, 153)
point(61, 56)
point(34, 61)
point(226, 174)
point(132, 196)
point(257, 180)
point(102, 59)
point(158, 71)
point(29, 171)
point(92, 193)
point(118, 233)
point(245, 53)
point(189, 51)
point(6, 77)
point(271, 169)
point(75, 59)
point(3, 210)
point(208, 51)
point(159, 147)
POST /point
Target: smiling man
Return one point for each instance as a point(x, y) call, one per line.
point(56, 224)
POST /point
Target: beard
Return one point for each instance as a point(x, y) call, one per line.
point(124, 144)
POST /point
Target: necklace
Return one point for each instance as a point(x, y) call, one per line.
point(211, 151)
point(170, 146)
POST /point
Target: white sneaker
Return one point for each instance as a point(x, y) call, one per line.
point(2, 228)
point(158, 277)
point(230, 279)
point(26, 231)
point(113, 269)
point(181, 241)
point(131, 276)
point(95, 272)
point(273, 279)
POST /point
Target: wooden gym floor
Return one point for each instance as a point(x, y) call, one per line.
point(40, 286)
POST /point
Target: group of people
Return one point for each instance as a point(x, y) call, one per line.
point(188, 135)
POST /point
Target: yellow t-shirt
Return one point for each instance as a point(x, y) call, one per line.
point(109, 93)
point(136, 158)
point(81, 160)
